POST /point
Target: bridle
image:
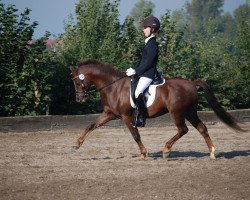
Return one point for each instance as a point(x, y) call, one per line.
point(85, 93)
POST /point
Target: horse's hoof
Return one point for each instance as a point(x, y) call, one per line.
point(75, 147)
point(214, 155)
point(165, 154)
point(144, 156)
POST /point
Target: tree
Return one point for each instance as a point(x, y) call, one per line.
point(240, 79)
point(177, 55)
point(199, 12)
point(24, 73)
point(141, 9)
point(205, 43)
point(94, 35)
point(129, 44)
point(214, 52)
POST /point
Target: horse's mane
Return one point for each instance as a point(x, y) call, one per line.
point(102, 67)
point(88, 62)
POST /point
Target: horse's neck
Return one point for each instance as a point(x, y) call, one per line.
point(104, 80)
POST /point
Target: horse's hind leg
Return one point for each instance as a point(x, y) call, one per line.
point(182, 130)
point(198, 124)
point(102, 119)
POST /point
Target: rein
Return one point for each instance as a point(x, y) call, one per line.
point(98, 89)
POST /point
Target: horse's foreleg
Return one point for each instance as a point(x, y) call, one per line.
point(84, 135)
point(102, 119)
point(136, 136)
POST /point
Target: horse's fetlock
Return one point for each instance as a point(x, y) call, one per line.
point(166, 150)
point(78, 143)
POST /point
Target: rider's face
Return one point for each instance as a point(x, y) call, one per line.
point(147, 31)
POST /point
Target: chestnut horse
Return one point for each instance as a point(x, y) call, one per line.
point(176, 96)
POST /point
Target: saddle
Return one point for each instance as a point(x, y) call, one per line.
point(149, 93)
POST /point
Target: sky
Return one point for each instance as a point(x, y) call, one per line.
point(51, 14)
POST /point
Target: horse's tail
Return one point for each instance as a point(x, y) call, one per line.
point(217, 108)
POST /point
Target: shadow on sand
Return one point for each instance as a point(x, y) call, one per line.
point(179, 155)
point(195, 154)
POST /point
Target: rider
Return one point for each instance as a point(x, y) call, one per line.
point(146, 69)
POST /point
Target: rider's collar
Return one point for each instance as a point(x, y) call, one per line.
point(148, 38)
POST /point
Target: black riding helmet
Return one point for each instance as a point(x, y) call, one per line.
point(153, 23)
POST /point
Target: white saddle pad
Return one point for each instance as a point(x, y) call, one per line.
point(150, 94)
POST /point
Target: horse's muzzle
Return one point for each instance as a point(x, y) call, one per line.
point(81, 98)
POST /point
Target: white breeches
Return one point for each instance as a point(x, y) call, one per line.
point(143, 83)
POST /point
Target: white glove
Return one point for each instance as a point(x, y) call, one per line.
point(130, 71)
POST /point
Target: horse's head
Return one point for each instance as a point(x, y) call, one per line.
point(81, 85)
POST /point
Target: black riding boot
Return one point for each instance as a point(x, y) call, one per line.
point(141, 112)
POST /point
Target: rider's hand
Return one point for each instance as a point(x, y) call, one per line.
point(130, 71)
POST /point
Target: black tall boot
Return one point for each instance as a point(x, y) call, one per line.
point(141, 112)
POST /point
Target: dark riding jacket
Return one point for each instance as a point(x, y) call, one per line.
point(149, 59)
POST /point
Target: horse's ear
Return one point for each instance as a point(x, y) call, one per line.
point(72, 69)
